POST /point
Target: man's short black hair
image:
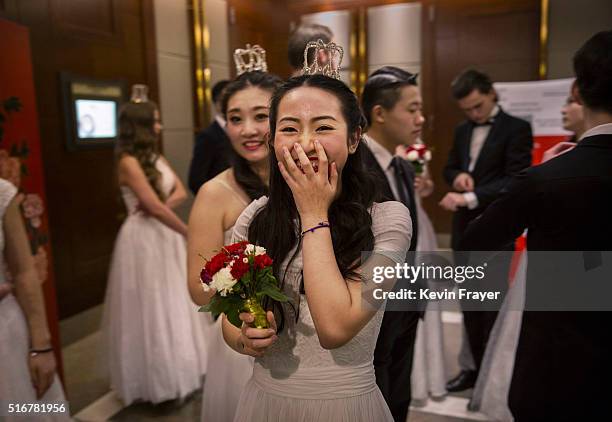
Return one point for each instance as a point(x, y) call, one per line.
point(593, 68)
point(298, 39)
point(470, 80)
point(217, 90)
point(383, 88)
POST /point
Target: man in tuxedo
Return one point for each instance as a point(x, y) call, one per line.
point(488, 149)
point(212, 150)
point(563, 360)
point(392, 104)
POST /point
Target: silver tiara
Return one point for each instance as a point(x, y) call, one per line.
point(250, 59)
point(331, 51)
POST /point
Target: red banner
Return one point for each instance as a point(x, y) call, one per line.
point(20, 156)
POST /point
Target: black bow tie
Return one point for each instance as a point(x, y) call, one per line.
point(487, 123)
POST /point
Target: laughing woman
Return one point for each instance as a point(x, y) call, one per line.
point(319, 217)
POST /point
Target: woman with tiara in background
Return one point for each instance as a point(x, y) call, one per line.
point(219, 202)
point(319, 217)
point(154, 336)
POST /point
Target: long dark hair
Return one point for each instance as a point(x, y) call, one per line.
point(138, 139)
point(252, 184)
point(349, 217)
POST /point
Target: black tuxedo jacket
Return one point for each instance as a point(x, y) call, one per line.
point(564, 359)
point(395, 344)
point(212, 154)
point(505, 152)
point(385, 189)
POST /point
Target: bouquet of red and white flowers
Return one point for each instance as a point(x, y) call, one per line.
point(418, 155)
point(242, 276)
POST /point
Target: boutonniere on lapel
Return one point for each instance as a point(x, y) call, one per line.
point(417, 154)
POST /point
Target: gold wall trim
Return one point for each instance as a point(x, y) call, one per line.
point(353, 48)
point(201, 43)
point(543, 68)
point(363, 50)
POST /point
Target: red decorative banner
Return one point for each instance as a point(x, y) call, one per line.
point(20, 156)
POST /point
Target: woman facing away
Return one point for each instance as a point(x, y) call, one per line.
point(319, 217)
point(27, 363)
point(218, 204)
point(154, 338)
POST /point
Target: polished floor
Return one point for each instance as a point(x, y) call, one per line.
point(90, 399)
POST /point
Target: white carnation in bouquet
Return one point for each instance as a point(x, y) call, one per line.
point(255, 250)
point(412, 156)
point(223, 281)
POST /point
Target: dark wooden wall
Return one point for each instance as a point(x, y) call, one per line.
point(102, 39)
point(312, 6)
point(263, 22)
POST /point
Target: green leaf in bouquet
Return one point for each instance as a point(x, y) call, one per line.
point(229, 305)
point(238, 289)
point(271, 280)
point(232, 316)
point(272, 292)
point(215, 306)
point(246, 278)
point(265, 274)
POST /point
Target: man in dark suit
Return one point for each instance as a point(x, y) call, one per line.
point(392, 105)
point(212, 150)
point(563, 361)
point(489, 148)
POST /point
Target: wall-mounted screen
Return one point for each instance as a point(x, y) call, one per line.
point(96, 118)
point(91, 108)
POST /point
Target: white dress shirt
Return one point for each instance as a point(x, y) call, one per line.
point(479, 135)
point(605, 129)
point(384, 158)
point(220, 121)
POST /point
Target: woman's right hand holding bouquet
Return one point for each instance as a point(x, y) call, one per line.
point(255, 341)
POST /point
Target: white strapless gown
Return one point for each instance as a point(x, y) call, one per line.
point(15, 384)
point(154, 336)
